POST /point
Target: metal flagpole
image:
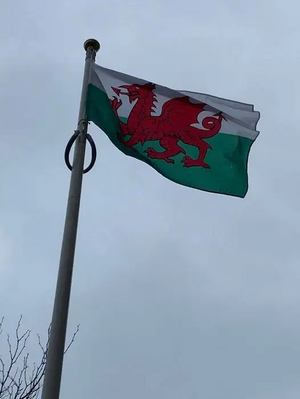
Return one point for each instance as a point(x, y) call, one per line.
point(54, 363)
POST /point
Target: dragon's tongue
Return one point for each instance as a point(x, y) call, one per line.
point(116, 90)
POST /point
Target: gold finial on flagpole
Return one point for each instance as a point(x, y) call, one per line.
point(91, 43)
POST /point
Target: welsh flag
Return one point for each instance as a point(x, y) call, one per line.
point(193, 139)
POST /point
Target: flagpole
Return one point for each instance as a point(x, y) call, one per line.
point(54, 362)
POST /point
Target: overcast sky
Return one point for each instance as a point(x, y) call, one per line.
point(180, 294)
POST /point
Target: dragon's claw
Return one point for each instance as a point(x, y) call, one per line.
point(190, 162)
point(115, 103)
point(152, 153)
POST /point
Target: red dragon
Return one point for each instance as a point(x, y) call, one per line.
point(174, 124)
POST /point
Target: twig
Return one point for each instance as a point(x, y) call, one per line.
point(17, 382)
point(72, 340)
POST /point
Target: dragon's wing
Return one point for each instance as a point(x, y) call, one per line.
point(177, 115)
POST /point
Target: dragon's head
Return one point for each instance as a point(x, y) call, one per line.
point(135, 91)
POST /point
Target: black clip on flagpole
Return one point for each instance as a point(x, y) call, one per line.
point(93, 150)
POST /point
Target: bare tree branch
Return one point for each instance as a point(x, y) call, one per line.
point(16, 381)
point(72, 340)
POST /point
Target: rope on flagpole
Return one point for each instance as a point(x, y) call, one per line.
point(69, 147)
